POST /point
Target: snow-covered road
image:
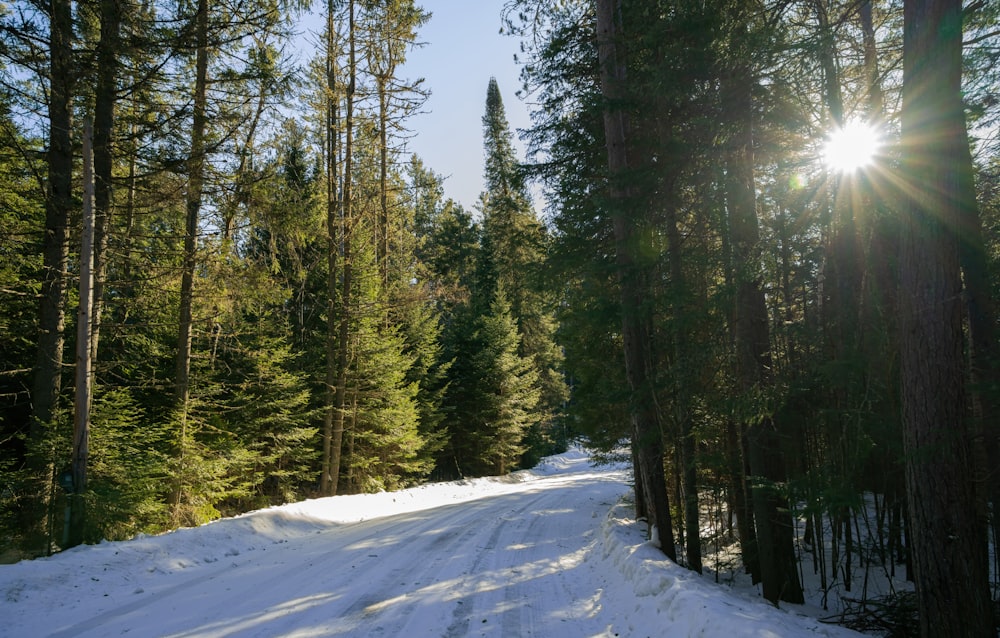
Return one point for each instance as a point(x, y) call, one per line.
point(534, 554)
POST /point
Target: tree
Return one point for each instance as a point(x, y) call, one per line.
point(84, 349)
point(949, 550)
point(196, 166)
point(337, 408)
point(774, 543)
point(628, 232)
point(231, 56)
point(514, 245)
point(384, 445)
point(333, 429)
point(47, 382)
point(492, 391)
point(394, 27)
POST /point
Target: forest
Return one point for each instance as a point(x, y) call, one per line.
point(224, 285)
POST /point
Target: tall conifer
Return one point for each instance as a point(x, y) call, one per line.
point(514, 246)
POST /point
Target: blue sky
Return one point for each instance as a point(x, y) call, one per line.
point(463, 50)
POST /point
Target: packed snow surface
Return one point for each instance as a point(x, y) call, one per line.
point(549, 552)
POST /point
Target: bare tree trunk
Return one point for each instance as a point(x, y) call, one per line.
point(332, 223)
point(346, 228)
point(984, 351)
point(682, 398)
point(47, 380)
point(84, 350)
point(738, 464)
point(196, 178)
point(875, 95)
point(59, 200)
point(383, 187)
point(104, 113)
point(948, 539)
point(828, 62)
point(646, 433)
point(741, 500)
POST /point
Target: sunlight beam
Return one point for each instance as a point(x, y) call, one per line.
point(851, 147)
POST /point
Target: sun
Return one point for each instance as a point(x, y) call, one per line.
point(851, 147)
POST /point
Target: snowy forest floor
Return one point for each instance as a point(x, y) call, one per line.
point(553, 551)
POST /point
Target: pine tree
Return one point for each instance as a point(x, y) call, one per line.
point(393, 27)
point(636, 320)
point(936, 439)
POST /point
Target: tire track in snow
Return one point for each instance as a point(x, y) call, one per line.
point(441, 571)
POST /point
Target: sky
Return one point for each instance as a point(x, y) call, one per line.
point(552, 551)
point(463, 49)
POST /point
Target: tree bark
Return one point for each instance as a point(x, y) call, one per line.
point(47, 372)
point(983, 349)
point(47, 381)
point(682, 394)
point(876, 98)
point(646, 432)
point(84, 350)
point(383, 233)
point(105, 98)
point(332, 223)
point(948, 539)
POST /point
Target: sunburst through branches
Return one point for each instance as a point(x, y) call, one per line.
point(851, 147)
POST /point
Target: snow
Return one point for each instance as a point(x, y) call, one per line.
point(547, 552)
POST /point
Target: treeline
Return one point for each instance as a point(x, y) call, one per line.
point(224, 286)
point(798, 347)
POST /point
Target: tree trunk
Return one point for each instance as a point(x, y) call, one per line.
point(774, 533)
point(47, 378)
point(984, 356)
point(59, 199)
point(104, 113)
point(828, 62)
point(740, 499)
point(948, 539)
point(332, 223)
point(646, 434)
point(346, 227)
point(682, 396)
point(84, 350)
point(737, 462)
point(196, 178)
point(383, 186)
point(875, 95)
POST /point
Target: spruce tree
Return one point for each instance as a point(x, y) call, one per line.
point(492, 392)
point(514, 244)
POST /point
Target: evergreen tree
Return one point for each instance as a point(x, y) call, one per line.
point(492, 392)
point(22, 216)
point(935, 435)
point(513, 247)
point(383, 442)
